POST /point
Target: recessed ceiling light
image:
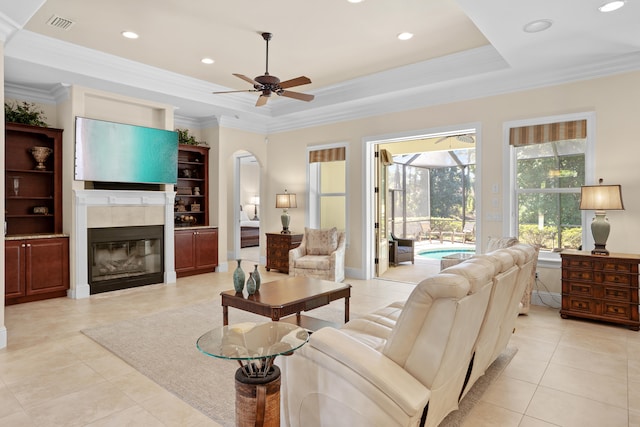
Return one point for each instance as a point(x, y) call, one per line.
point(538, 25)
point(355, 1)
point(207, 61)
point(130, 35)
point(611, 6)
point(405, 36)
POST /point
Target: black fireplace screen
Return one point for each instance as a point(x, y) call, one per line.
point(125, 257)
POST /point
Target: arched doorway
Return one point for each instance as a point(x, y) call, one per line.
point(247, 207)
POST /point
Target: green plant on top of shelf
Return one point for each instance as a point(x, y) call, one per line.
point(25, 113)
point(184, 137)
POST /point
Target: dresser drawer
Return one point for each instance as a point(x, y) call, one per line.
point(579, 289)
point(622, 267)
point(618, 293)
point(612, 278)
point(576, 263)
point(571, 274)
point(582, 305)
point(617, 311)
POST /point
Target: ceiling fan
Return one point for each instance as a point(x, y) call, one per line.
point(268, 84)
point(467, 138)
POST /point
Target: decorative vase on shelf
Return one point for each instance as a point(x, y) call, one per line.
point(251, 284)
point(238, 278)
point(256, 277)
point(41, 154)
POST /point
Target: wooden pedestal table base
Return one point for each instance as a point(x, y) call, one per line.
point(258, 399)
point(255, 346)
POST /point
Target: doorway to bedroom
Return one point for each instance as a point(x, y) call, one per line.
point(248, 195)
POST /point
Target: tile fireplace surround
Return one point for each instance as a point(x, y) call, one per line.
point(118, 208)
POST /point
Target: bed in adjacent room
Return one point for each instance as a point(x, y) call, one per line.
point(249, 231)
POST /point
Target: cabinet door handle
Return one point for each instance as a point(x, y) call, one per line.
point(23, 245)
point(29, 245)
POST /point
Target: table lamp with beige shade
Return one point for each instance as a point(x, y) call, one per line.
point(285, 201)
point(601, 198)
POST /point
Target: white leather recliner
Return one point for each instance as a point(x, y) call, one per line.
point(406, 364)
point(385, 369)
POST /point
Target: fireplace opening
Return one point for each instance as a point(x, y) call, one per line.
point(125, 257)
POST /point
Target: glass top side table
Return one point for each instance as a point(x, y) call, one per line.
point(255, 346)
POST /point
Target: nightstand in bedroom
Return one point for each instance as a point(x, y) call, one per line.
point(278, 247)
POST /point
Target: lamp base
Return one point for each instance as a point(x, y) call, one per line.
point(284, 218)
point(599, 250)
point(600, 229)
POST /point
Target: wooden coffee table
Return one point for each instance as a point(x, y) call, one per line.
point(289, 296)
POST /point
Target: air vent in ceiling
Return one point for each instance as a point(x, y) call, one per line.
point(59, 22)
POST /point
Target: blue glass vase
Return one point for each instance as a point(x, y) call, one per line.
point(256, 277)
point(238, 278)
point(251, 284)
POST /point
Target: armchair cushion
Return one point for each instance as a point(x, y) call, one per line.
point(315, 262)
point(321, 242)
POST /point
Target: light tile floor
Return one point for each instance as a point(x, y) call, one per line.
point(566, 372)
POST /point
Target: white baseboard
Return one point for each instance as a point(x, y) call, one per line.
point(3, 337)
point(222, 268)
point(354, 273)
point(80, 291)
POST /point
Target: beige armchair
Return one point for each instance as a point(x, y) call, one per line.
point(320, 255)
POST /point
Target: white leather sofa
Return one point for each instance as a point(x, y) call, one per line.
point(320, 255)
point(406, 364)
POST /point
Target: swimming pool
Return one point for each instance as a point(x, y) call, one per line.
point(440, 253)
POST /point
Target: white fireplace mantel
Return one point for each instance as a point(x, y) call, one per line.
point(119, 208)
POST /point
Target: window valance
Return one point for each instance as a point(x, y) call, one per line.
point(548, 132)
point(327, 155)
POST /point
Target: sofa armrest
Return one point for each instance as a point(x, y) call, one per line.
point(369, 366)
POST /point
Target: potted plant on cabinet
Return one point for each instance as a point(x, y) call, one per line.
point(25, 113)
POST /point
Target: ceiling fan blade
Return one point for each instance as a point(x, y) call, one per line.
point(246, 79)
point(466, 138)
point(297, 95)
point(235, 91)
point(262, 100)
point(298, 81)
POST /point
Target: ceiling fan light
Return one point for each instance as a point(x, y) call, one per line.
point(611, 6)
point(405, 36)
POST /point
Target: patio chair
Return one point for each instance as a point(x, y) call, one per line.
point(467, 233)
point(428, 233)
point(400, 250)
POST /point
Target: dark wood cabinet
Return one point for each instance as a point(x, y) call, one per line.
point(36, 269)
point(36, 252)
point(278, 247)
point(33, 192)
point(191, 190)
point(601, 287)
point(196, 251)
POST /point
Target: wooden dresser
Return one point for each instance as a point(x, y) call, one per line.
point(278, 247)
point(600, 287)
